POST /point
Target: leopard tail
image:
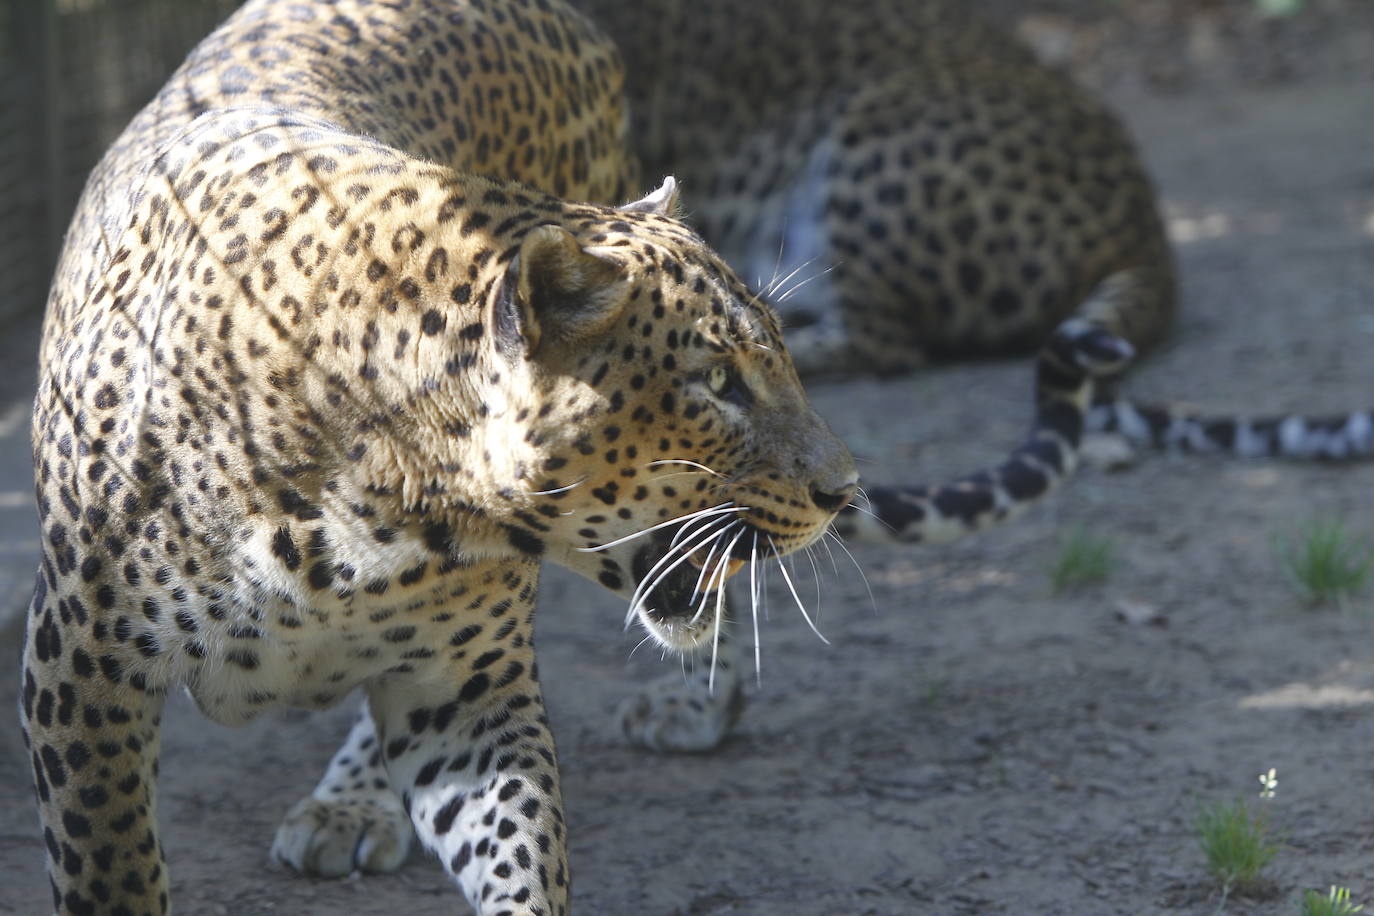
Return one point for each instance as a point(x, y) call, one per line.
point(1067, 369)
point(1336, 438)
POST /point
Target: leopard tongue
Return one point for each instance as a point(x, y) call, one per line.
point(714, 577)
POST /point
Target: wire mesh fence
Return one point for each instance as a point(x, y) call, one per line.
point(72, 73)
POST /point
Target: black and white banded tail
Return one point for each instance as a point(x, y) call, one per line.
point(1340, 437)
point(1067, 370)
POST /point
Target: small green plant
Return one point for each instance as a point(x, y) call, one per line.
point(1237, 843)
point(1326, 563)
point(1278, 7)
point(1084, 558)
point(1335, 903)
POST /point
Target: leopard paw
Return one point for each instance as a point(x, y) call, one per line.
point(332, 838)
point(673, 715)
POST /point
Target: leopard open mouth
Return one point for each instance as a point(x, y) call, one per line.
point(683, 582)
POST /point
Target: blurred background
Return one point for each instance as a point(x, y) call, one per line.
point(72, 73)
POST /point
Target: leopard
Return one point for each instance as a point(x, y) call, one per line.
point(920, 187)
point(352, 332)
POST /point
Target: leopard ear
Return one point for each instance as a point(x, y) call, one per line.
point(557, 290)
point(663, 202)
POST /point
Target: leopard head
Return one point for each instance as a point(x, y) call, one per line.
point(674, 440)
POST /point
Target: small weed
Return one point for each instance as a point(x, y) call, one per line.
point(1084, 559)
point(1278, 7)
point(1335, 903)
point(1236, 843)
point(1326, 563)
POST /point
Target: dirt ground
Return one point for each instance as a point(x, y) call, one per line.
point(970, 741)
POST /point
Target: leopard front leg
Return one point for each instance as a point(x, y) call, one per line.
point(92, 724)
point(353, 819)
point(467, 744)
point(691, 711)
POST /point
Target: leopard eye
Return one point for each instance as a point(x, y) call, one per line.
point(724, 383)
point(718, 380)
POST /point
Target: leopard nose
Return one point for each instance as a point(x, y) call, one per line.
point(833, 500)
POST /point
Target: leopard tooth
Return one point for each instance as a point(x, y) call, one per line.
point(714, 578)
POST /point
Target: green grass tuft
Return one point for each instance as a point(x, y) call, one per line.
point(1236, 843)
point(1326, 563)
point(1335, 903)
point(1278, 7)
point(1084, 559)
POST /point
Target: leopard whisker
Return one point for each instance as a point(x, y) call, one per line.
point(700, 513)
point(724, 569)
point(839, 541)
point(701, 605)
point(816, 575)
point(863, 494)
point(754, 608)
point(706, 564)
point(777, 283)
point(793, 589)
point(683, 532)
point(869, 512)
point(654, 577)
point(696, 589)
point(647, 638)
point(830, 552)
point(689, 463)
point(661, 477)
point(793, 291)
point(651, 581)
point(777, 262)
point(571, 486)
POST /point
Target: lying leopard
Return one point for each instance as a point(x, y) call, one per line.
point(318, 398)
point(921, 188)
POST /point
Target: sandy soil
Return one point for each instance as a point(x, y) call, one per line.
point(970, 742)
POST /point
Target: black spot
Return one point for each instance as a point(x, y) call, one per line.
point(474, 688)
point(285, 548)
point(461, 858)
point(524, 542)
point(321, 574)
point(465, 634)
point(413, 575)
point(443, 819)
point(432, 322)
point(110, 667)
point(487, 658)
point(439, 537)
point(81, 663)
point(77, 825)
point(970, 277)
point(429, 771)
point(244, 658)
point(1004, 302)
point(90, 568)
